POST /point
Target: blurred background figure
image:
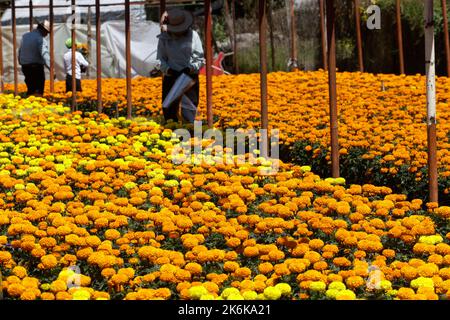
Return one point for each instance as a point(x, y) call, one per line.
point(81, 65)
point(33, 56)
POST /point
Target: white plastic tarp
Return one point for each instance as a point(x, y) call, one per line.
point(137, 12)
point(144, 44)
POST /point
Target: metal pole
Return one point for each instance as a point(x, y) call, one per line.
point(128, 55)
point(2, 85)
point(208, 46)
point(263, 70)
point(323, 34)
point(331, 30)
point(99, 55)
point(89, 41)
point(233, 14)
point(13, 21)
point(431, 100)
point(74, 44)
point(31, 14)
point(358, 36)
point(52, 48)
point(272, 47)
point(446, 36)
point(162, 7)
point(400, 37)
point(293, 65)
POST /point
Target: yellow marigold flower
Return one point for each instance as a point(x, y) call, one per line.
point(250, 295)
point(345, 295)
point(45, 286)
point(422, 282)
point(331, 293)
point(81, 295)
point(284, 288)
point(58, 286)
point(49, 261)
point(272, 293)
point(20, 271)
point(15, 289)
point(28, 295)
point(112, 234)
point(229, 291)
point(317, 286)
point(235, 296)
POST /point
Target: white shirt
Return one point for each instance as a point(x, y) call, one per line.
point(80, 61)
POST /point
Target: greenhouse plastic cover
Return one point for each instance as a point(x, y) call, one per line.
point(137, 12)
point(144, 44)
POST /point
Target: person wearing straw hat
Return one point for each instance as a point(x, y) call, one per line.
point(180, 51)
point(33, 56)
point(80, 66)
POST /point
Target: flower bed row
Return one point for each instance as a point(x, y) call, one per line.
point(93, 208)
point(383, 116)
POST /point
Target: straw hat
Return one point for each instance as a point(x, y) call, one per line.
point(45, 25)
point(179, 20)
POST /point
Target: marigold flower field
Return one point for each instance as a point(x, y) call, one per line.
point(383, 116)
point(92, 207)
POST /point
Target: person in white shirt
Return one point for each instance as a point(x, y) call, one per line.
point(80, 66)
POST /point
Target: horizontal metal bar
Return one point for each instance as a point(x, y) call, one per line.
point(43, 6)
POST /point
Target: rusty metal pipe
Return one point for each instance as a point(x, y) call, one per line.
point(446, 35)
point(128, 56)
point(14, 32)
point(331, 31)
point(233, 15)
point(358, 36)
point(263, 71)
point(74, 44)
point(99, 55)
point(323, 34)
point(293, 29)
point(208, 46)
point(2, 85)
point(31, 14)
point(52, 48)
point(400, 37)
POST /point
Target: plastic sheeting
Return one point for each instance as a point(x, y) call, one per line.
point(137, 12)
point(144, 44)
